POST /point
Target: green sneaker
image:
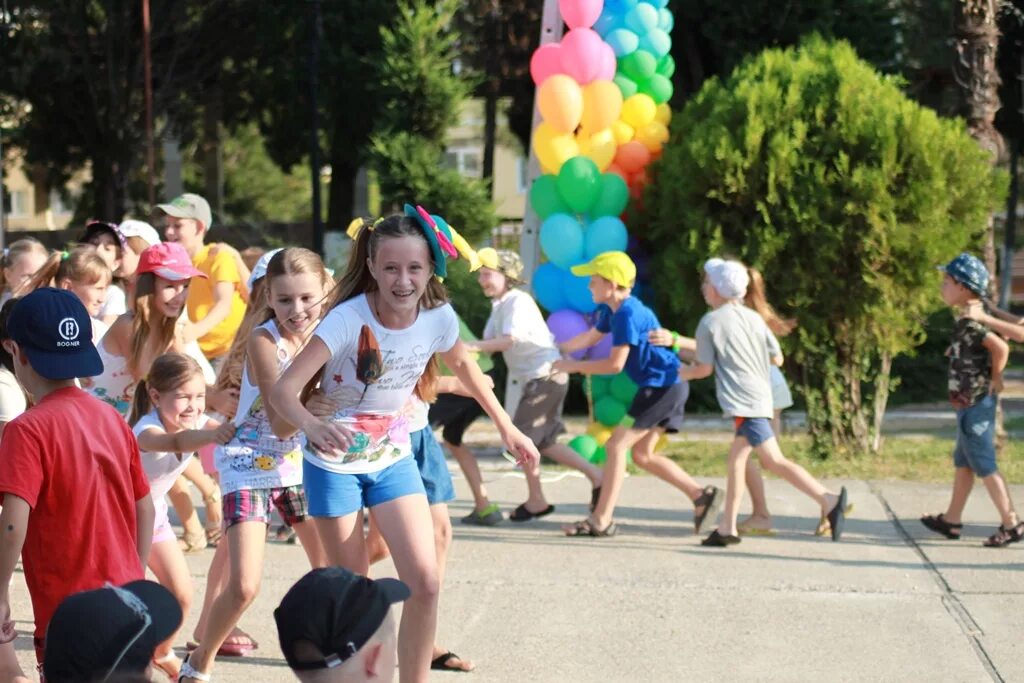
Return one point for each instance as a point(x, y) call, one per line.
point(489, 516)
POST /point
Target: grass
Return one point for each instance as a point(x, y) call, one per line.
point(927, 459)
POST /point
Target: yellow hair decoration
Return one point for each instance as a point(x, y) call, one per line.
point(355, 227)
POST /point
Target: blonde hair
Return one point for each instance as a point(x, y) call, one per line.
point(15, 252)
point(758, 301)
point(145, 318)
point(82, 265)
point(168, 372)
point(289, 261)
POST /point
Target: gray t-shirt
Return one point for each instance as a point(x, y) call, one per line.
point(737, 342)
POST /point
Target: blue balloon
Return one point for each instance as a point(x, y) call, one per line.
point(561, 239)
point(577, 292)
point(607, 233)
point(657, 42)
point(666, 21)
point(622, 41)
point(642, 18)
point(607, 22)
point(658, 4)
point(620, 6)
point(548, 287)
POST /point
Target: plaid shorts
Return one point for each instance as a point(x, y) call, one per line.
point(254, 505)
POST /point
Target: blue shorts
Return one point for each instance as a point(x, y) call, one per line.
point(331, 494)
point(433, 468)
point(975, 437)
point(756, 430)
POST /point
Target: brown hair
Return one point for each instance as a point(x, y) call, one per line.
point(144, 318)
point(289, 261)
point(82, 264)
point(15, 252)
point(756, 299)
point(137, 244)
point(167, 373)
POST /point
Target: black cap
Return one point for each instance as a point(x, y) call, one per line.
point(97, 632)
point(336, 611)
point(54, 330)
point(92, 228)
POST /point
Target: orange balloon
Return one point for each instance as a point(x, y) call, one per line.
point(560, 101)
point(653, 135)
point(632, 156)
point(602, 104)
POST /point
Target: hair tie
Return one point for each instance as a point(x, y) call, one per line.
point(355, 227)
point(64, 255)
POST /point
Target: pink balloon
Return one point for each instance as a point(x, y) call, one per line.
point(608, 63)
point(580, 13)
point(601, 349)
point(566, 324)
point(546, 61)
point(581, 54)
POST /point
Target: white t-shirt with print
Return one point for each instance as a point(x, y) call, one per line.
point(533, 348)
point(371, 374)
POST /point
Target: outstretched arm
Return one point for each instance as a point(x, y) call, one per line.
point(612, 365)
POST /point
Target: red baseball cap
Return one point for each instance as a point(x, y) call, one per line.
point(168, 260)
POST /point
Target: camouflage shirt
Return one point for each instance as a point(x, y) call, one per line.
point(970, 364)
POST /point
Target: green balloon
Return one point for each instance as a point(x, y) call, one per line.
point(626, 85)
point(585, 445)
point(600, 385)
point(667, 66)
point(638, 65)
point(599, 456)
point(579, 183)
point(614, 196)
point(544, 197)
point(658, 87)
point(623, 389)
point(609, 411)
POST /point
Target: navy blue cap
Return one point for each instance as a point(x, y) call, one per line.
point(970, 272)
point(54, 330)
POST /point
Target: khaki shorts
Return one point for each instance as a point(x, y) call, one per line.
point(539, 410)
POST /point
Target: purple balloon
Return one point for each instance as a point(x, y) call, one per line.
point(566, 324)
point(601, 349)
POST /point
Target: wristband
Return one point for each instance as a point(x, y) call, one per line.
point(675, 343)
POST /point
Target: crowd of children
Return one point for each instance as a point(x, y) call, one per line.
point(274, 387)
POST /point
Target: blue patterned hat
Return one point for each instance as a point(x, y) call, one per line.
point(969, 271)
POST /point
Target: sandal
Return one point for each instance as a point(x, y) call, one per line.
point(717, 540)
point(824, 527)
point(940, 526)
point(747, 528)
point(521, 514)
point(708, 503)
point(231, 649)
point(837, 516)
point(188, 671)
point(285, 534)
point(170, 664)
point(1004, 536)
point(584, 527)
point(489, 516)
point(595, 495)
point(443, 663)
point(193, 542)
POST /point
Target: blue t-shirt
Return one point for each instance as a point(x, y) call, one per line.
point(647, 365)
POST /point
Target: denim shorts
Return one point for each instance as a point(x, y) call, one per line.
point(332, 494)
point(433, 469)
point(975, 437)
point(756, 430)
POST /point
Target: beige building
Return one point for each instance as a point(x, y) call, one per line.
point(29, 204)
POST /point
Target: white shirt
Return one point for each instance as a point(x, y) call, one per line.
point(162, 468)
point(12, 398)
point(377, 408)
point(533, 348)
point(116, 302)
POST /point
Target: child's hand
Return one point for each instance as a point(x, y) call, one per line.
point(521, 447)
point(329, 438)
point(224, 401)
point(225, 433)
point(320, 405)
point(996, 385)
point(661, 337)
point(563, 365)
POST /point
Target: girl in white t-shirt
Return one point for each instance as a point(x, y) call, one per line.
point(390, 318)
point(170, 424)
point(258, 470)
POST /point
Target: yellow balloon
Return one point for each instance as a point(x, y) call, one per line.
point(639, 110)
point(600, 148)
point(663, 114)
point(560, 101)
point(623, 132)
point(600, 433)
point(652, 136)
point(602, 104)
point(553, 148)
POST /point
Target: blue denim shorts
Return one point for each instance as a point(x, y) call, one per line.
point(433, 468)
point(331, 494)
point(975, 437)
point(756, 430)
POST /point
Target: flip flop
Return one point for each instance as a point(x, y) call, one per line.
point(489, 516)
point(521, 514)
point(440, 663)
point(824, 527)
point(711, 500)
point(837, 515)
point(717, 540)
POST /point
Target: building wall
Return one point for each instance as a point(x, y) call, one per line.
point(31, 206)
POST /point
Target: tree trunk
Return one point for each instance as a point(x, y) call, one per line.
point(341, 197)
point(882, 382)
point(490, 130)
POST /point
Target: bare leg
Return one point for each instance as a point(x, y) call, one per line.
point(208, 489)
point(622, 440)
point(181, 499)
point(535, 500)
point(376, 548)
point(168, 565)
point(963, 482)
point(662, 467)
point(343, 541)
point(471, 470)
point(310, 541)
point(1000, 495)
point(564, 455)
point(738, 455)
point(773, 461)
point(442, 543)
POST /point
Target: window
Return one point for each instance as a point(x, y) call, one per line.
point(57, 205)
point(466, 160)
point(522, 175)
point(19, 204)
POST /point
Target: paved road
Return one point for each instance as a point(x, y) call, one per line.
point(891, 602)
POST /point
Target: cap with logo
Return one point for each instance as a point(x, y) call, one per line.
point(260, 269)
point(611, 265)
point(505, 262)
point(729, 278)
point(168, 260)
point(141, 229)
point(54, 330)
point(189, 205)
point(969, 271)
point(335, 611)
point(95, 633)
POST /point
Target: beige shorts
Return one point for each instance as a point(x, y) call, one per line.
point(538, 410)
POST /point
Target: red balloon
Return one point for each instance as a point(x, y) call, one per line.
point(616, 169)
point(632, 157)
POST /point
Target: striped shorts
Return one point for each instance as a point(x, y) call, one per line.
point(255, 505)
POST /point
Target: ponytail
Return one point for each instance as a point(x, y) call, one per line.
point(168, 372)
point(758, 301)
point(83, 264)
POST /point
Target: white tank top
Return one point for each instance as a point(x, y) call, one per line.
point(256, 458)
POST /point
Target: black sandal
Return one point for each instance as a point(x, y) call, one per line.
point(585, 528)
point(717, 540)
point(595, 495)
point(939, 525)
point(837, 515)
point(521, 514)
point(707, 505)
point(1005, 537)
point(441, 663)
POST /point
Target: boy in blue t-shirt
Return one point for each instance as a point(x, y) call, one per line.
point(659, 404)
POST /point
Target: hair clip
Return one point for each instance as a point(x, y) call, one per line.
point(64, 255)
point(355, 227)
